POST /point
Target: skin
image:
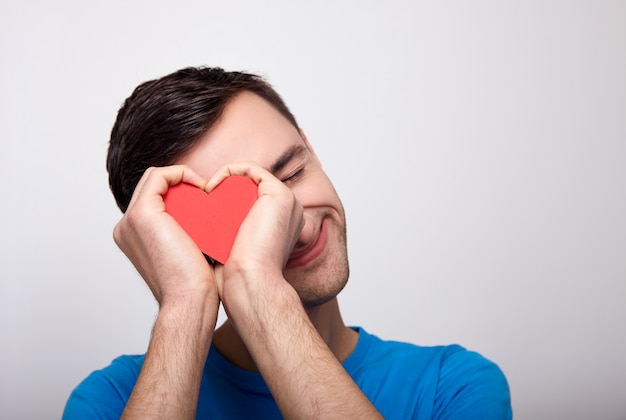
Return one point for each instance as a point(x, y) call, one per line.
point(278, 287)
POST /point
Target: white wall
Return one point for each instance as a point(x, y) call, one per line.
point(479, 147)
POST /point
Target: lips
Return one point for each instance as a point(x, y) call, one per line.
point(309, 253)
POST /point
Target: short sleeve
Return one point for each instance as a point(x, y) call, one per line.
point(104, 393)
point(471, 387)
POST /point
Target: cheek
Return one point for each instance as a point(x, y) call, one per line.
point(318, 191)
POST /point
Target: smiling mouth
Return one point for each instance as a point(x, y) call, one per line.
point(311, 252)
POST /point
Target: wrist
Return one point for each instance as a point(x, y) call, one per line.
point(192, 293)
point(258, 309)
point(251, 291)
point(189, 311)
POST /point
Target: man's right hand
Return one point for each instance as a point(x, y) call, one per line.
point(184, 285)
point(165, 256)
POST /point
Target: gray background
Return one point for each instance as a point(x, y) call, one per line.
point(479, 148)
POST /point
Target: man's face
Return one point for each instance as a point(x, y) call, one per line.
point(250, 129)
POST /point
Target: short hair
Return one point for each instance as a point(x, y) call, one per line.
point(164, 118)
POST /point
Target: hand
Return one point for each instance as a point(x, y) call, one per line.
point(267, 313)
point(264, 241)
point(184, 285)
point(165, 256)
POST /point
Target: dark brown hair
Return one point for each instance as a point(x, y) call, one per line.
point(164, 118)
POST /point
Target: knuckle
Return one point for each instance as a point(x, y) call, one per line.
point(132, 218)
point(118, 234)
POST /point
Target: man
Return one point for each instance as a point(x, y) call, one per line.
point(284, 350)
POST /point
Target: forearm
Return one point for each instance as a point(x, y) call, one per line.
point(169, 382)
point(304, 376)
point(184, 286)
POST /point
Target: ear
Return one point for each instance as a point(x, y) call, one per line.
point(308, 146)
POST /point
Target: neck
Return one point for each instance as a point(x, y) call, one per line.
point(327, 321)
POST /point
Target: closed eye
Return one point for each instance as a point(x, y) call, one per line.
point(294, 176)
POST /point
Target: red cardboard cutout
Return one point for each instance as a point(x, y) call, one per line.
point(212, 220)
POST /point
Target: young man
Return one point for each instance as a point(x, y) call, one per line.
point(284, 350)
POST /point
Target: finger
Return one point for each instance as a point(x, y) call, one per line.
point(263, 178)
point(139, 187)
point(156, 181)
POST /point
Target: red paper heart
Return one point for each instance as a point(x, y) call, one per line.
point(212, 220)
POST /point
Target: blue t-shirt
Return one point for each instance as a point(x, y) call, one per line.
point(402, 380)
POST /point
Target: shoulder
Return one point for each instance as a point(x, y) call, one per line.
point(372, 351)
point(472, 386)
point(435, 381)
point(104, 393)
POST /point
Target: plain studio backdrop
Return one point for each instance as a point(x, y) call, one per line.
point(479, 149)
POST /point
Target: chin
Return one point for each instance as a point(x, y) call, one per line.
point(325, 286)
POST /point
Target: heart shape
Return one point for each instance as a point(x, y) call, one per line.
point(212, 220)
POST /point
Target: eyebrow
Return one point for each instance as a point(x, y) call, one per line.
point(287, 156)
